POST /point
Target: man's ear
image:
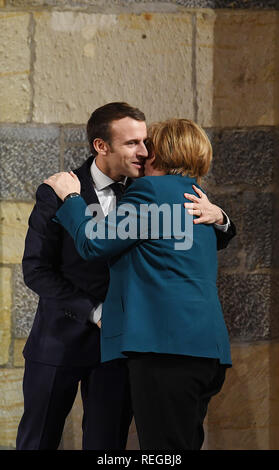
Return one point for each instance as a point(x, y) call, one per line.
point(100, 146)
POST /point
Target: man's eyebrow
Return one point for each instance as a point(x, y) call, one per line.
point(131, 140)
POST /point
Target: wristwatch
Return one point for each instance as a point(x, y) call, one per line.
point(69, 196)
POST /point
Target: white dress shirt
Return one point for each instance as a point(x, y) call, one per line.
point(107, 201)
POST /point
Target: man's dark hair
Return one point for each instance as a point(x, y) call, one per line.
point(98, 125)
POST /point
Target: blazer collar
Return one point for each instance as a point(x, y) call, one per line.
point(87, 187)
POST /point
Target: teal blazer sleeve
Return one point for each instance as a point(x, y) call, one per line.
point(108, 237)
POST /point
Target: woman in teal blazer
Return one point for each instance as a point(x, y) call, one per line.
point(162, 310)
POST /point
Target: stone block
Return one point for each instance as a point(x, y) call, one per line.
point(245, 414)
point(231, 203)
point(28, 154)
point(75, 147)
point(75, 134)
point(244, 4)
point(245, 72)
point(11, 405)
point(25, 305)
point(228, 4)
point(5, 314)
point(15, 89)
point(75, 156)
point(247, 305)
point(252, 213)
point(159, 4)
point(243, 157)
point(231, 257)
point(204, 66)
point(258, 228)
point(240, 180)
point(235, 76)
point(14, 223)
point(92, 59)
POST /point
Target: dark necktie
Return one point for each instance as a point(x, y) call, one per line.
point(118, 189)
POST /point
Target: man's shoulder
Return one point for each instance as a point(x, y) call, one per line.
point(47, 199)
point(83, 171)
point(44, 191)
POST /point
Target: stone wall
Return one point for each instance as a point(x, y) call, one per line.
point(213, 61)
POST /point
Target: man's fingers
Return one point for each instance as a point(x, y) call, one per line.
point(191, 197)
point(73, 175)
point(200, 220)
point(189, 205)
point(198, 191)
point(55, 176)
point(196, 212)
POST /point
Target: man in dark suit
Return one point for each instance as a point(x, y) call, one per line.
point(63, 348)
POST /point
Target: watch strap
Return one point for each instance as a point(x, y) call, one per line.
point(69, 196)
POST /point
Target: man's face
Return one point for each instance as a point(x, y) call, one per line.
point(127, 151)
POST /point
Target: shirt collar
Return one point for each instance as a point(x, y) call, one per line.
point(102, 181)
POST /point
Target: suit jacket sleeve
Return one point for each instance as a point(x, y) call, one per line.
point(103, 239)
point(81, 227)
point(42, 255)
point(223, 238)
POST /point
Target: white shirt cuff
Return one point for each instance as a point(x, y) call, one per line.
point(96, 314)
point(224, 227)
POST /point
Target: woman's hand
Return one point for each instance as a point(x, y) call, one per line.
point(201, 207)
point(64, 183)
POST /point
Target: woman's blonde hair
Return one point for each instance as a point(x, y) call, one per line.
point(180, 146)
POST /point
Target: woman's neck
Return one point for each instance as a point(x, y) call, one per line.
point(155, 172)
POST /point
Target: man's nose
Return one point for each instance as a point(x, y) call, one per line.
point(143, 152)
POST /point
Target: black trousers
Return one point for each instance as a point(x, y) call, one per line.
point(49, 394)
point(170, 396)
